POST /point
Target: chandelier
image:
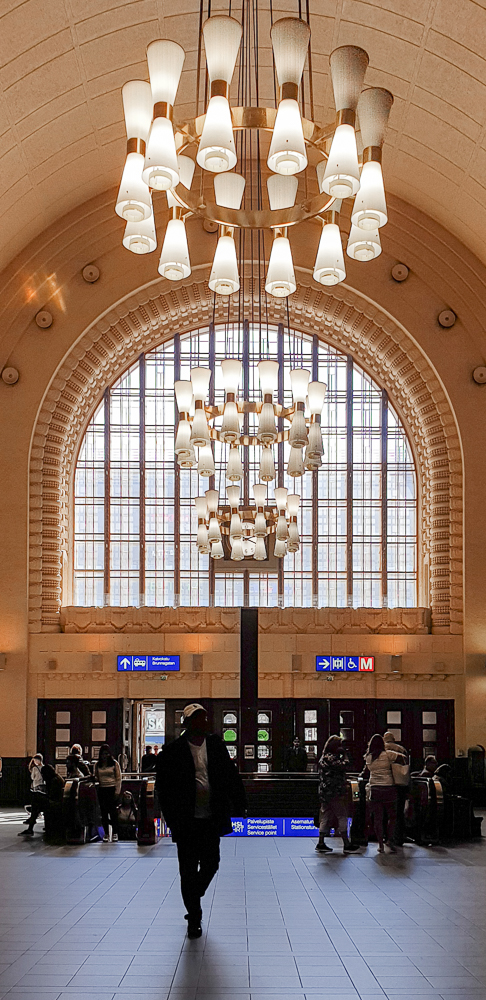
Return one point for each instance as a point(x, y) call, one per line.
point(307, 169)
point(200, 423)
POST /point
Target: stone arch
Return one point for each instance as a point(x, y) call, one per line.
point(343, 318)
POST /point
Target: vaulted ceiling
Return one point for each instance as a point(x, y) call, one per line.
point(63, 63)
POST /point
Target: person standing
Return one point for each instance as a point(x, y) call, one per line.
point(108, 776)
point(403, 789)
point(296, 757)
point(149, 760)
point(38, 797)
point(333, 795)
point(197, 783)
point(381, 791)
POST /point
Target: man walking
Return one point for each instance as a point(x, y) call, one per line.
point(197, 783)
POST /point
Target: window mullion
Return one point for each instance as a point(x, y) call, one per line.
point(142, 548)
point(177, 484)
point(281, 446)
point(384, 498)
point(315, 493)
point(107, 498)
point(349, 479)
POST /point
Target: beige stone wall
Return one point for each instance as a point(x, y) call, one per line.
point(391, 329)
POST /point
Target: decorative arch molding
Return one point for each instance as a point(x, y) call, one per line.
point(343, 318)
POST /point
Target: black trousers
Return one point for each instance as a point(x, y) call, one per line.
point(402, 796)
point(109, 813)
point(198, 853)
point(38, 804)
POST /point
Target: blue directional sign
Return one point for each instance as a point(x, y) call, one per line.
point(345, 664)
point(143, 662)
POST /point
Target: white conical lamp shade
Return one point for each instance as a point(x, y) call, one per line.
point(268, 376)
point(290, 41)
point(298, 430)
point(231, 370)
point(205, 465)
point(280, 280)
point(233, 494)
point(287, 153)
point(267, 466)
point(294, 540)
point(341, 177)
point(260, 552)
point(217, 551)
point(234, 470)
point(228, 190)
point(267, 428)
point(316, 394)
point(161, 170)
point(217, 150)
point(280, 548)
point(200, 379)
point(363, 245)
point(280, 494)
point(174, 261)
point(282, 191)
point(137, 108)
point(202, 539)
point(222, 36)
point(187, 461)
point(134, 202)
point(201, 505)
point(236, 527)
point(212, 497)
point(183, 393)
point(348, 67)
point(140, 237)
point(165, 61)
point(224, 279)
point(299, 380)
point(230, 428)
point(214, 532)
point(374, 108)
point(260, 494)
point(186, 170)
point(369, 209)
point(295, 467)
point(237, 549)
point(329, 267)
point(183, 445)
point(315, 447)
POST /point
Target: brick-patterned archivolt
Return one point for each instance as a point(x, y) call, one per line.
point(342, 318)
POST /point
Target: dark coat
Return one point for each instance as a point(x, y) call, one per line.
point(176, 785)
point(332, 775)
point(76, 767)
point(149, 761)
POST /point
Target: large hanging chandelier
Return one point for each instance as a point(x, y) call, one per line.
point(307, 169)
point(200, 423)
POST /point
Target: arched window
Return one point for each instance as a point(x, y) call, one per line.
point(135, 524)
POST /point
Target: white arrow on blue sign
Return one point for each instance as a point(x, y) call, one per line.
point(349, 664)
point(143, 662)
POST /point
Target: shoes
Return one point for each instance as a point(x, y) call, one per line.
point(381, 848)
point(323, 849)
point(26, 833)
point(106, 840)
point(114, 838)
point(350, 848)
point(194, 930)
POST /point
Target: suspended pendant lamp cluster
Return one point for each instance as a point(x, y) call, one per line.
point(163, 157)
point(200, 423)
point(247, 530)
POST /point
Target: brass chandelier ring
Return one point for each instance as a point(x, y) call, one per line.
point(266, 218)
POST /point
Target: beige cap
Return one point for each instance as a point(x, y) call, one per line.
point(190, 709)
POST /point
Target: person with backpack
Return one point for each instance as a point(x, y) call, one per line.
point(381, 792)
point(333, 799)
point(108, 776)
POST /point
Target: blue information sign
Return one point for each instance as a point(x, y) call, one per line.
point(347, 664)
point(143, 662)
point(276, 827)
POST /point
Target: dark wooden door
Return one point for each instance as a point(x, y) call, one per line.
point(90, 722)
point(354, 720)
point(422, 727)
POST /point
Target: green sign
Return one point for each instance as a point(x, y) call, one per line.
point(229, 736)
point(263, 735)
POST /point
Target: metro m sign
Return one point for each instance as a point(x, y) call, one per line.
point(367, 663)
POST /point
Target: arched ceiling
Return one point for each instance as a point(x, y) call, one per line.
point(63, 63)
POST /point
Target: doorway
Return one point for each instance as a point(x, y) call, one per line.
point(148, 729)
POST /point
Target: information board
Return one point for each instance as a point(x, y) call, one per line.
point(348, 664)
point(276, 827)
point(143, 662)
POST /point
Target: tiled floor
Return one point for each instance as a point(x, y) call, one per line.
point(105, 922)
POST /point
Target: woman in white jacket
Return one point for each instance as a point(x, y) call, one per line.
point(381, 793)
